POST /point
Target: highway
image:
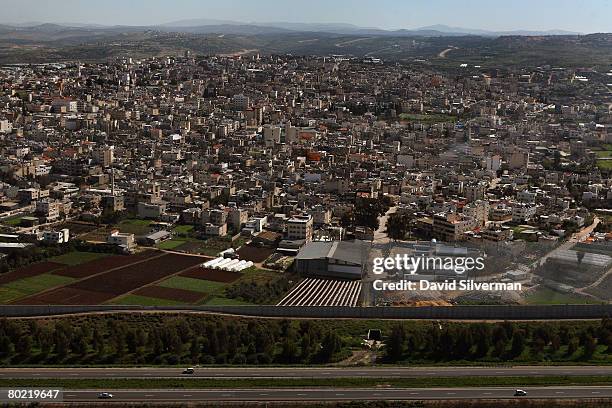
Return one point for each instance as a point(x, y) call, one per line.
point(338, 394)
point(318, 372)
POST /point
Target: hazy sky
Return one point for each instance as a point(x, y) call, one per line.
point(584, 16)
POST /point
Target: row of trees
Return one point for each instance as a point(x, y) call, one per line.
point(503, 341)
point(169, 341)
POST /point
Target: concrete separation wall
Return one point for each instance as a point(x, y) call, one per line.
point(549, 312)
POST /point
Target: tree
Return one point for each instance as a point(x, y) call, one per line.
point(395, 343)
point(590, 345)
point(289, 351)
point(331, 345)
point(398, 226)
point(24, 345)
point(194, 349)
point(518, 343)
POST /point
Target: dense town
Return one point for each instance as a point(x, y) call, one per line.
point(274, 179)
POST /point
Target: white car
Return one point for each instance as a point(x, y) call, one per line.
point(520, 393)
point(105, 395)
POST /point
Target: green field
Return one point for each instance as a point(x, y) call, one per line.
point(144, 301)
point(221, 301)
point(13, 222)
point(77, 257)
point(28, 286)
point(171, 244)
point(183, 229)
point(135, 226)
point(196, 285)
point(427, 118)
point(8, 295)
point(193, 383)
point(546, 296)
point(604, 164)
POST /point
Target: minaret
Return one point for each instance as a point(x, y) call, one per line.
point(112, 180)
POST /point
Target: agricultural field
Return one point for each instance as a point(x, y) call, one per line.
point(29, 271)
point(135, 226)
point(546, 296)
point(254, 254)
point(604, 161)
point(138, 300)
point(12, 221)
point(101, 280)
point(323, 292)
point(428, 118)
point(150, 277)
point(171, 244)
point(28, 286)
point(77, 257)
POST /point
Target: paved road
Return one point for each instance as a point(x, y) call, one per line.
point(339, 394)
point(320, 372)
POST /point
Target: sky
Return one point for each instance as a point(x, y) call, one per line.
point(584, 16)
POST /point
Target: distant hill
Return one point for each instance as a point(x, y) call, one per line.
point(56, 42)
point(204, 26)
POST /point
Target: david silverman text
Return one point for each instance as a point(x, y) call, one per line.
point(466, 284)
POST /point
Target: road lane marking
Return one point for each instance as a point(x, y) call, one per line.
point(149, 395)
point(596, 392)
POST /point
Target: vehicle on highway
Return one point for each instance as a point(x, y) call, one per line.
point(189, 370)
point(105, 395)
point(520, 393)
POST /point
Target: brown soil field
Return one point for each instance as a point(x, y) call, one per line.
point(254, 254)
point(103, 264)
point(179, 295)
point(212, 275)
point(29, 271)
point(66, 296)
point(133, 276)
point(108, 285)
point(79, 228)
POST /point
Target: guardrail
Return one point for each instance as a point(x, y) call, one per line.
point(497, 312)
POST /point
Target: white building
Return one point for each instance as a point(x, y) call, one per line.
point(300, 227)
point(56, 237)
point(123, 240)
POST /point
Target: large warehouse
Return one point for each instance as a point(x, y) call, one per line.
point(338, 259)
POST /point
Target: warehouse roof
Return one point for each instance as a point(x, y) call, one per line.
point(348, 251)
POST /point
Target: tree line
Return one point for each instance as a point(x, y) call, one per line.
point(168, 341)
point(498, 342)
point(190, 340)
